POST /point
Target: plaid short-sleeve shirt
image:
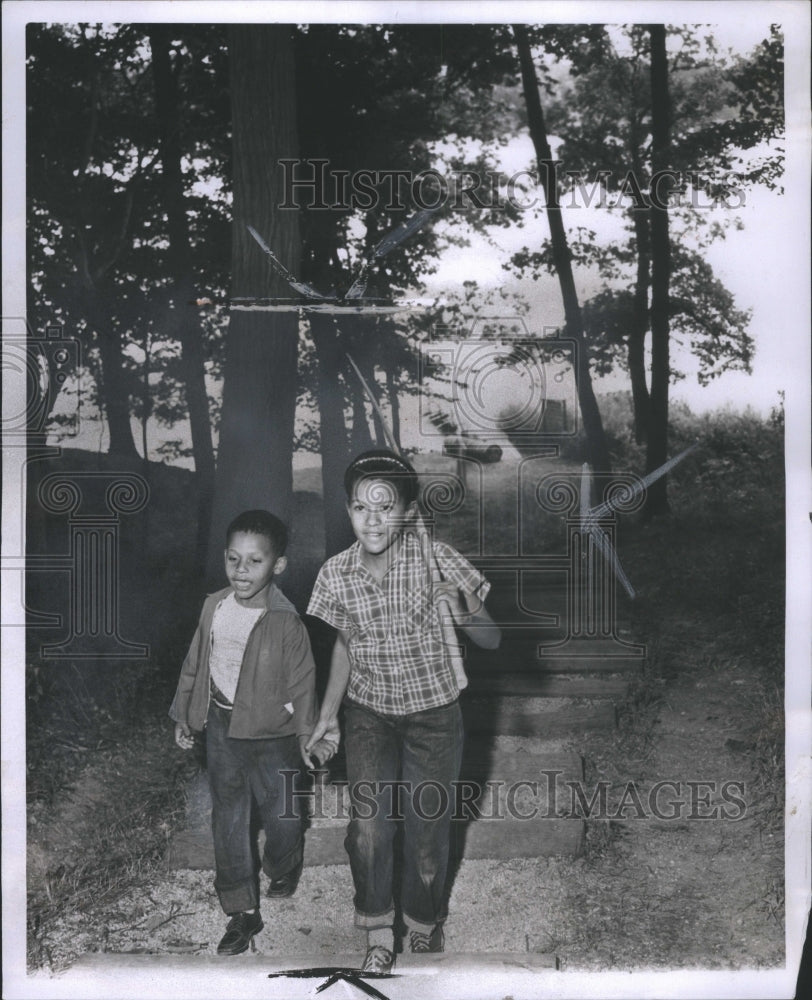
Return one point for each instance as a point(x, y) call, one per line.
point(398, 663)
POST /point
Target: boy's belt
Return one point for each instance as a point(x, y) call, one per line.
point(219, 698)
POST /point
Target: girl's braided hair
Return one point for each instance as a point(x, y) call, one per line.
point(384, 465)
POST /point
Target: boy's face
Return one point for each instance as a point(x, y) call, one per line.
point(377, 512)
point(251, 564)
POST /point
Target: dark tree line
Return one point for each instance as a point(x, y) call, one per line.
point(129, 233)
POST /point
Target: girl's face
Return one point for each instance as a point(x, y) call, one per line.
point(378, 513)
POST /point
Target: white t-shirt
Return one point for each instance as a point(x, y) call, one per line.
point(230, 628)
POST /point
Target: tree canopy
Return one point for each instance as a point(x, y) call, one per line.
point(130, 174)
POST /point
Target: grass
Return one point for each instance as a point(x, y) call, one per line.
point(104, 783)
point(114, 829)
point(711, 591)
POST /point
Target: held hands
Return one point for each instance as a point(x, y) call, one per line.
point(183, 736)
point(323, 742)
point(323, 750)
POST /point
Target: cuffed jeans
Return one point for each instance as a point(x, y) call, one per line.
point(240, 770)
point(422, 754)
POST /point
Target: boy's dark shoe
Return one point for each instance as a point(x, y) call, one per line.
point(420, 943)
point(239, 933)
point(285, 885)
point(378, 959)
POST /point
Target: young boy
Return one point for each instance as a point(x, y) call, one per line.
point(249, 680)
point(403, 723)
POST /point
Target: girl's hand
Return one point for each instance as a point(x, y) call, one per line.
point(450, 594)
point(325, 729)
point(183, 736)
point(322, 749)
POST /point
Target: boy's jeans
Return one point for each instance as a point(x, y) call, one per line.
point(422, 751)
point(237, 770)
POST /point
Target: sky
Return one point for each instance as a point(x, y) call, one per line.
point(745, 262)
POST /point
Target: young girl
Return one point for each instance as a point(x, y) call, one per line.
point(403, 724)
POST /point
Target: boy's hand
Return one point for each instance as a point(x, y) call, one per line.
point(308, 760)
point(183, 736)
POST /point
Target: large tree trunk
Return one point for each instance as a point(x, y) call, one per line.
point(657, 453)
point(639, 328)
point(598, 452)
point(185, 314)
point(255, 451)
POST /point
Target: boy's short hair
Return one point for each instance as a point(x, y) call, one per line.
point(385, 465)
point(261, 522)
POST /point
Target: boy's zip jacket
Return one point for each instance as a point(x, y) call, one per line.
point(277, 672)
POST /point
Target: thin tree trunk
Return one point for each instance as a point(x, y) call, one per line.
point(361, 439)
point(390, 354)
point(388, 339)
point(639, 328)
point(367, 366)
point(94, 290)
point(255, 452)
point(332, 337)
point(394, 405)
point(113, 388)
point(657, 453)
point(146, 404)
point(186, 316)
point(332, 431)
point(598, 451)
point(358, 334)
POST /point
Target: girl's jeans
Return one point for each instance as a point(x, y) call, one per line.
point(239, 770)
point(408, 762)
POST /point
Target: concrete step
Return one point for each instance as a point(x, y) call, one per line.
point(519, 653)
point(499, 838)
point(483, 761)
point(520, 717)
point(549, 611)
point(491, 778)
point(502, 811)
point(541, 685)
point(492, 666)
point(254, 976)
point(502, 837)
